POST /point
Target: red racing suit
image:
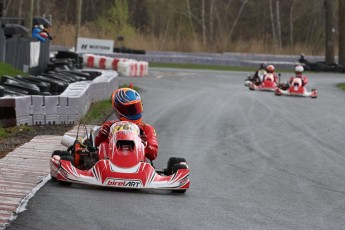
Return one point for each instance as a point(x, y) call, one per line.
point(298, 79)
point(147, 133)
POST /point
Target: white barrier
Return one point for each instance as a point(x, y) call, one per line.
point(66, 108)
point(125, 67)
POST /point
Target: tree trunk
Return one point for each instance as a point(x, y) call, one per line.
point(190, 19)
point(330, 31)
point(211, 22)
point(237, 17)
point(203, 23)
point(279, 25)
point(291, 22)
point(341, 32)
point(38, 7)
point(272, 22)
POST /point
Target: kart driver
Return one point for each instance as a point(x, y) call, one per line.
point(128, 106)
point(270, 71)
point(299, 79)
point(259, 73)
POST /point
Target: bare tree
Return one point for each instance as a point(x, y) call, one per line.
point(279, 32)
point(211, 21)
point(291, 22)
point(330, 31)
point(203, 23)
point(244, 2)
point(272, 22)
point(341, 32)
point(190, 19)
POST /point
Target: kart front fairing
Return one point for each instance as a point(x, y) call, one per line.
point(121, 164)
point(296, 90)
point(267, 85)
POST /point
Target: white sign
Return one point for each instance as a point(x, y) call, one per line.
point(89, 45)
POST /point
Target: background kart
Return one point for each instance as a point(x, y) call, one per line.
point(121, 163)
point(252, 78)
point(295, 89)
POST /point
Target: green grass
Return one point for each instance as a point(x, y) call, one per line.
point(341, 86)
point(8, 70)
point(3, 132)
point(97, 112)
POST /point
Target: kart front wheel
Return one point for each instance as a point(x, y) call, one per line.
point(61, 153)
point(175, 168)
point(171, 162)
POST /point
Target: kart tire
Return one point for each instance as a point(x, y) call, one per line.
point(175, 168)
point(171, 162)
point(61, 153)
point(68, 158)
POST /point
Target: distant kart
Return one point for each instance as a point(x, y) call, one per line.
point(251, 78)
point(267, 85)
point(119, 164)
point(296, 89)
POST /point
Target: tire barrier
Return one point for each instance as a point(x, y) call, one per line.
point(67, 108)
point(124, 66)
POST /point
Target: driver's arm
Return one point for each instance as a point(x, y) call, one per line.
point(151, 149)
point(103, 133)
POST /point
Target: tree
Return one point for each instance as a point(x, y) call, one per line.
point(330, 32)
point(341, 32)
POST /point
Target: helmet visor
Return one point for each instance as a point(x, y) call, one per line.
point(131, 110)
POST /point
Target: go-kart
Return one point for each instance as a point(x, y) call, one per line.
point(268, 84)
point(121, 163)
point(295, 89)
point(252, 78)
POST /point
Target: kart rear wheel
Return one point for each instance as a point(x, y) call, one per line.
point(61, 153)
point(171, 162)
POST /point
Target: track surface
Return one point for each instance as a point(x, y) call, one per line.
point(257, 161)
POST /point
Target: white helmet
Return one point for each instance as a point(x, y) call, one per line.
point(299, 69)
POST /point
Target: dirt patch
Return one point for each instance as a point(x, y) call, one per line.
point(17, 136)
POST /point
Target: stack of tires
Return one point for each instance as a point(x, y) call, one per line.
point(50, 83)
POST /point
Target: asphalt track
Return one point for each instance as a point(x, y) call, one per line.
point(257, 161)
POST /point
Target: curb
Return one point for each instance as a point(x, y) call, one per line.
point(18, 185)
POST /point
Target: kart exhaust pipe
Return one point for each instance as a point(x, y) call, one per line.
point(67, 140)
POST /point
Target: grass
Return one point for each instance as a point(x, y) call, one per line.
point(97, 112)
point(341, 86)
point(3, 132)
point(8, 70)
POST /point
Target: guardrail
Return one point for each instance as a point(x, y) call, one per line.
point(66, 108)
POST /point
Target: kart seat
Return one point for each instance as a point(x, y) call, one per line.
point(296, 82)
point(269, 77)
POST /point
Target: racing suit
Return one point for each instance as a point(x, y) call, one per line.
point(147, 134)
